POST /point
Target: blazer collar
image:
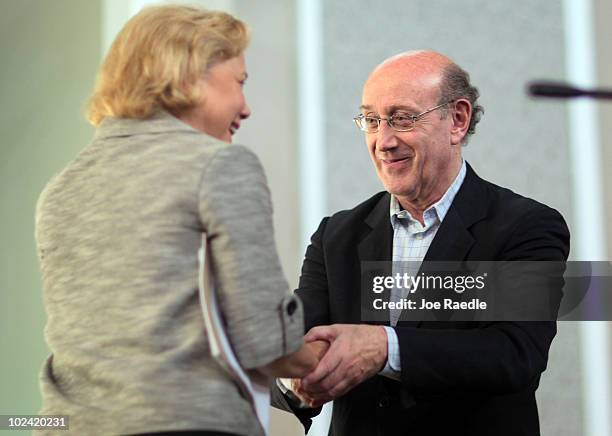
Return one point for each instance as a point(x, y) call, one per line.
point(452, 241)
point(160, 122)
point(378, 242)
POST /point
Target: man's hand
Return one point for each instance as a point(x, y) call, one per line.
point(356, 353)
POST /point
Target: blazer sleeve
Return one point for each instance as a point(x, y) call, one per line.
point(313, 285)
point(264, 320)
point(495, 357)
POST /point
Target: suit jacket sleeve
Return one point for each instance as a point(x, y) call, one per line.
point(313, 286)
point(495, 357)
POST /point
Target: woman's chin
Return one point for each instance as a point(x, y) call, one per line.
point(225, 137)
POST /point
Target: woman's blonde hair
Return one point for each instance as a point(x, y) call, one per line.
point(159, 56)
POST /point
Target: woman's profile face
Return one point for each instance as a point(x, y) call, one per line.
point(223, 105)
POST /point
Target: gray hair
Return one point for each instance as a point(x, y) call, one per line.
point(455, 85)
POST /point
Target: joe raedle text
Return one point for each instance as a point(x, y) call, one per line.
point(447, 303)
point(428, 288)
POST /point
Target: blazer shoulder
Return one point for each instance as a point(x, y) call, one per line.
point(525, 222)
point(349, 217)
point(513, 206)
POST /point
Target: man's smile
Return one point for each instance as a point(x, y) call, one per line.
point(396, 161)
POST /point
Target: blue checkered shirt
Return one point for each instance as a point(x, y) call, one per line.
point(411, 240)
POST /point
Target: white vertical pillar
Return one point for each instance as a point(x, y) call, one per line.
point(589, 231)
point(311, 116)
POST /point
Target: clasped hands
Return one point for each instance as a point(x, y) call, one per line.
point(348, 353)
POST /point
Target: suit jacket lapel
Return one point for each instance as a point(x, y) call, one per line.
point(453, 239)
point(375, 246)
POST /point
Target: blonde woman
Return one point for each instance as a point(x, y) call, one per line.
point(118, 232)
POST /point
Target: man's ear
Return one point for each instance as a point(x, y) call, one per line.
point(461, 114)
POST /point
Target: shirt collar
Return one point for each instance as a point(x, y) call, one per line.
point(437, 211)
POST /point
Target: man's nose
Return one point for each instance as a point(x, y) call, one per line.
point(386, 137)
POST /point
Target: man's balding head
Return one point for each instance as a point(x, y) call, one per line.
point(424, 60)
point(424, 119)
point(428, 67)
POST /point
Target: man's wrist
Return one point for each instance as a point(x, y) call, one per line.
point(392, 366)
point(384, 345)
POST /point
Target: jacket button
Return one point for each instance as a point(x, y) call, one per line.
point(383, 402)
point(291, 307)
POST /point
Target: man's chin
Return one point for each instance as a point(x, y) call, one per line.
point(402, 192)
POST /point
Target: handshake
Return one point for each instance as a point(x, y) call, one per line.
point(344, 356)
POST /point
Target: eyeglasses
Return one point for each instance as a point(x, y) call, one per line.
point(400, 122)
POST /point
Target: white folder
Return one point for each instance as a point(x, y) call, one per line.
point(220, 346)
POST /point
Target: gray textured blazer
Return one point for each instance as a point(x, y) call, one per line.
point(117, 234)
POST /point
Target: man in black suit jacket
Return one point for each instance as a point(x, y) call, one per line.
point(460, 378)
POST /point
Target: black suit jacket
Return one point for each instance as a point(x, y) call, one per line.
point(460, 378)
